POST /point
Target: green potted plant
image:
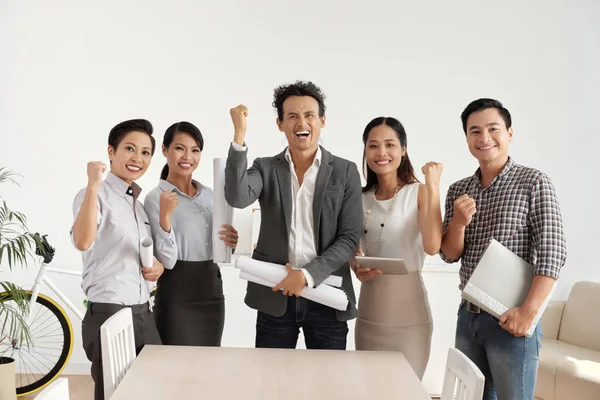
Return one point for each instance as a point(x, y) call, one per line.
point(16, 245)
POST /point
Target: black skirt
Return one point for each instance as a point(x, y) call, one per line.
point(189, 306)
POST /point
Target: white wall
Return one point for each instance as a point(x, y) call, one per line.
point(71, 70)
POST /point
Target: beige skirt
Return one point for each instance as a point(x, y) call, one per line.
point(394, 315)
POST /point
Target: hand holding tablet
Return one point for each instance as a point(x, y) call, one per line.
point(395, 266)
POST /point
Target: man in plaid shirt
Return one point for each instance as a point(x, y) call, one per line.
point(518, 207)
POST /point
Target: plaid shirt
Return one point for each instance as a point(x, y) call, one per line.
point(520, 210)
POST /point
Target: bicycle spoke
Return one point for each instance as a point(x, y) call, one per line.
point(48, 318)
point(26, 374)
point(39, 359)
point(40, 362)
point(42, 343)
point(39, 308)
point(59, 328)
point(54, 349)
point(28, 357)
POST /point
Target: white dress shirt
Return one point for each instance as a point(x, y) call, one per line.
point(301, 243)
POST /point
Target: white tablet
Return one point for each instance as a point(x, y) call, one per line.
point(394, 266)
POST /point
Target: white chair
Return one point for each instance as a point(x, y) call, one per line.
point(57, 390)
point(462, 380)
point(117, 343)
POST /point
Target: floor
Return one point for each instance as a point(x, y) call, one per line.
point(81, 387)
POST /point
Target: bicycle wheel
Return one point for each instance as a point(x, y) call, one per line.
point(48, 353)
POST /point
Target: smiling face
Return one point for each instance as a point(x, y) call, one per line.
point(183, 154)
point(131, 158)
point(301, 124)
point(487, 136)
point(384, 151)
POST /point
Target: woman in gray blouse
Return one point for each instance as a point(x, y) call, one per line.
point(109, 222)
point(189, 306)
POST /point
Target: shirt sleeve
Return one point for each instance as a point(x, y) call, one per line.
point(548, 238)
point(165, 245)
point(448, 215)
point(310, 281)
point(237, 147)
point(77, 203)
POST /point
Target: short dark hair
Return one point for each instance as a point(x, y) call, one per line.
point(117, 133)
point(180, 127)
point(405, 171)
point(298, 88)
point(482, 104)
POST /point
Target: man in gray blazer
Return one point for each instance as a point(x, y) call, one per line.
point(311, 221)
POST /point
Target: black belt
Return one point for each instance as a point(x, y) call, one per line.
point(112, 308)
point(470, 307)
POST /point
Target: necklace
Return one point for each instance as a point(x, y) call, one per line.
point(369, 211)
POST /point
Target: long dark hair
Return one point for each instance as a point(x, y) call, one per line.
point(180, 127)
point(405, 171)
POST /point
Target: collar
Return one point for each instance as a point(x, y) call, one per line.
point(509, 165)
point(122, 187)
point(167, 186)
point(316, 160)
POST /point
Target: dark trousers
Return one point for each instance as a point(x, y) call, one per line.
point(319, 325)
point(189, 306)
point(144, 329)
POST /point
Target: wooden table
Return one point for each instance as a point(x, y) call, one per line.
point(181, 372)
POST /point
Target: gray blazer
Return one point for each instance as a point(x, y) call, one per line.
point(338, 220)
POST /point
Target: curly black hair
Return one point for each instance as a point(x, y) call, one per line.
point(298, 88)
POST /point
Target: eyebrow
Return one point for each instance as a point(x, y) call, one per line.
point(134, 145)
point(306, 112)
point(386, 140)
point(183, 145)
point(478, 127)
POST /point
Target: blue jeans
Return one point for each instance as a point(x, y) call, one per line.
point(509, 363)
point(319, 324)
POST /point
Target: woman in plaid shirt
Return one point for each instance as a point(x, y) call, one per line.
point(518, 207)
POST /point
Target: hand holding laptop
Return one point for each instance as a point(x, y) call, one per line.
point(500, 285)
point(517, 320)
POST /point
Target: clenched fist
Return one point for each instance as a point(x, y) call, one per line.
point(432, 171)
point(168, 202)
point(238, 117)
point(95, 169)
point(464, 208)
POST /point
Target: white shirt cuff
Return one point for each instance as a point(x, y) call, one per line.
point(237, 147)
point(167, 236)
point(310, 282)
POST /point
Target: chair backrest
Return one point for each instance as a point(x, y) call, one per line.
point(463, 380)
point(57, 390)
point(580, 324)
point(117, 343)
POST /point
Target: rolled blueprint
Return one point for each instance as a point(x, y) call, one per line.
point(147, 252)
point(147, 256)
point(331, 280)
point(268, 274)
point(222, 212)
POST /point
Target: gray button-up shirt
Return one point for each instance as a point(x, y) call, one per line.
point(111, 265)
point(191, 221)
